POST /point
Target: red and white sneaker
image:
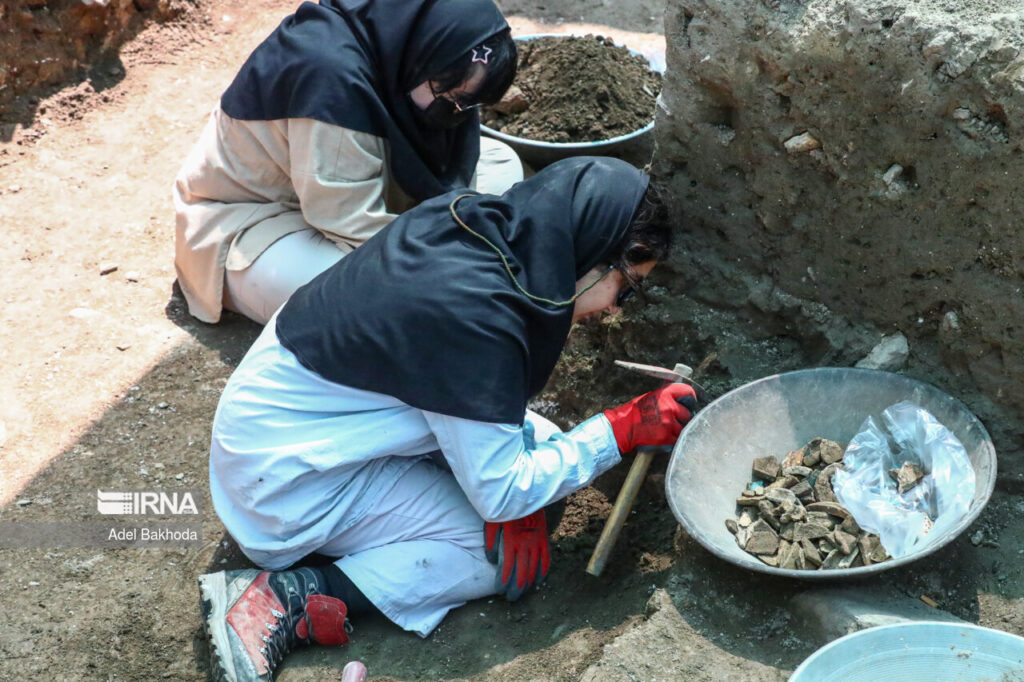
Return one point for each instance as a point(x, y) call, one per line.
point(253, 618)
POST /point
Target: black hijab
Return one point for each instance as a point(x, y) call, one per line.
point(424, 311)
point(351, 63)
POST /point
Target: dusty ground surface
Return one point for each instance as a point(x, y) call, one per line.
point(108, 384)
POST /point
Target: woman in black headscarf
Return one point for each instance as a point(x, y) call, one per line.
point(349, 113)
point(381, 416)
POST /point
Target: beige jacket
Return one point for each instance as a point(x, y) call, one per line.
point(246, 184)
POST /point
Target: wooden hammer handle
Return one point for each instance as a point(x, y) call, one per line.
point(623, 504)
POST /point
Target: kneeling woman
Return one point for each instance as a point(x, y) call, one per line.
point(381, 415)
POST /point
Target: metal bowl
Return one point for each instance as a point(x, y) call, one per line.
point(711, 461)
point(538, 153)
point(917, 652)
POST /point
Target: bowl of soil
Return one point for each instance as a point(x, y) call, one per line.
point(576, 95)
point(713, 461)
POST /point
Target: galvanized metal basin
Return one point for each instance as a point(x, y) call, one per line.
point(711, 461)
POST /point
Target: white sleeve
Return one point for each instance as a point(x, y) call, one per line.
point(504, 480)
point(338, 175)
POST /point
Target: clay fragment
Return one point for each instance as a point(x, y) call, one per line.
point(766, 468)
point(907, 476)
point(832, 508)
point(763, 539)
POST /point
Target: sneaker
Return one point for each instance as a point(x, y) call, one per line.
point(253, 618)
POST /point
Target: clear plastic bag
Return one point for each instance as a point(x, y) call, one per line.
point(905, 521)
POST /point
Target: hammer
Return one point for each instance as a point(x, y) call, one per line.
point(637, 471)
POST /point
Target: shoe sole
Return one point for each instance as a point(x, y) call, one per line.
point(213, 590)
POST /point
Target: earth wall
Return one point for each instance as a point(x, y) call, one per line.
point(844, 170)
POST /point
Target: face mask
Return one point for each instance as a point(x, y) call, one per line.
point(441, 114)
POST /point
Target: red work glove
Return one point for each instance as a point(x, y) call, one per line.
point(520, 547)
point(655, 418)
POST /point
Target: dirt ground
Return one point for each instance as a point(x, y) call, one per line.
point(107, 383)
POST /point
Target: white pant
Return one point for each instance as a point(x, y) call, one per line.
point(259, 290)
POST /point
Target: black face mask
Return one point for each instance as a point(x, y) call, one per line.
point(441, 114)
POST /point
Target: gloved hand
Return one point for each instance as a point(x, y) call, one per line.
point(654, 418)
point(521, 550)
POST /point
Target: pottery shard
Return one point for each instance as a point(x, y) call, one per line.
point(844, 541)
point(803, 490)
point(794, 458)
point(850, 525)
point(809, 531)
point(867, 545)
point(811, 553)
point(799, 471)
point(763, 538)
point(766, 468)
point(907, 476)
point(769, 559)
point(745, 501)
point(767, 512)
point(791, 558)
point(742, 537)
point(851, 560)
point(778, 495)
point(833, 508)
point(823, 485)
point(822, 519)
point(832, 560)
point(811, 459)
point(829, 451)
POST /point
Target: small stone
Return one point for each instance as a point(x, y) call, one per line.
point(24, 502)
point(123, 346)
point(158, 465)
point(763, 539)
point(765, 468)
point(809, 531)
point(844, 541)
point(132, 276)
point(800, 471)
point(890, 354)
point(179, 476)
point(892, 173)
point(832, 508)
point(962, 114)
point(804, 142)
point(513, 102)
point(977, 537)
point(107, 268)
point(907, 476)
point(732, 526)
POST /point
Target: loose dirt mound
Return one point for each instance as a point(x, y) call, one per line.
point(577, 90)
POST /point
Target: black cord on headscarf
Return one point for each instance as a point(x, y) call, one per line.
point(426, 312)
point(352, 63)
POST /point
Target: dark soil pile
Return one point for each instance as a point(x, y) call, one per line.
point(571, 89)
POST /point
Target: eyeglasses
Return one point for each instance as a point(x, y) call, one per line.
point(458, 107)
point(633, 287)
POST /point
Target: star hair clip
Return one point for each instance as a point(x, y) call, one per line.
point(481, 53)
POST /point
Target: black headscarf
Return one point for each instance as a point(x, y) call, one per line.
point(424, 311)
point(352, 63)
